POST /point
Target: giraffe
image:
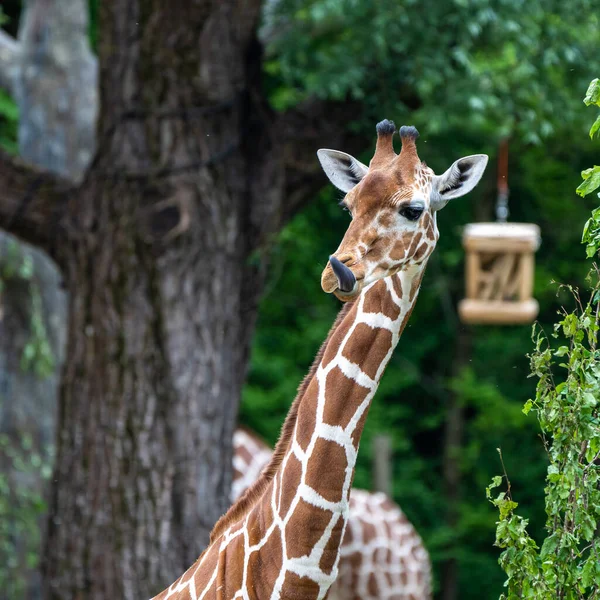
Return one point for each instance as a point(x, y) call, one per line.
point(382, 557)
point(282, 538)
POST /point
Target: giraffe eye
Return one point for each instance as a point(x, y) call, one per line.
point(412, 213)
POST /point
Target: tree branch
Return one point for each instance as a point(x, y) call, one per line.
point(32, 201)
point(9, 48)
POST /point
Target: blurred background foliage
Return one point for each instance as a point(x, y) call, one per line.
point(467, 73)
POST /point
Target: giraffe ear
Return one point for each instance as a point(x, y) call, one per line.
point(458, 180)
point(343, 170)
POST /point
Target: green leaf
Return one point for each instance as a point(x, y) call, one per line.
point(496, 481)
point(589, 399)
point(591, 181)
point(595, 127)
point(589, 572)
point(549, 546)
point(592, 96)
point(8, 108)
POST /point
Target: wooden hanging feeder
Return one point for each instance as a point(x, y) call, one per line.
point(499, 273)
point(500, 264)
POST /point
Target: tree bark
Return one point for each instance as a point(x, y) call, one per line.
point(33, 202)
point(183, 189)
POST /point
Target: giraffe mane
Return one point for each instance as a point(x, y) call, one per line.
point(249, 498)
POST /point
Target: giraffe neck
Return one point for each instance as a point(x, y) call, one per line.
point(285, 539)
point(315, 476)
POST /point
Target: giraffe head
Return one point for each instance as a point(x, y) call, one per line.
point(393, 203)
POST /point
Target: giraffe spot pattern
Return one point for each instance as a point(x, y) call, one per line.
point(398, 251)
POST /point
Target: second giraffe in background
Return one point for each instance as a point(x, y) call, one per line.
point(382, 556)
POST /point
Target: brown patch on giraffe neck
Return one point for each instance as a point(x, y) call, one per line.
point(397, 286)
point(338, 383)
point(366, 353)
point(269, 558)
point(327, 485)
point(378, 299)
point(305, 527)
point(293, 474)
point(249, 498)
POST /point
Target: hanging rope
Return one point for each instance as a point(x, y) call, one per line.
point(502, 199)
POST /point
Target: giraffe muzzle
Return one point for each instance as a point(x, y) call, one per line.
point(345, 277)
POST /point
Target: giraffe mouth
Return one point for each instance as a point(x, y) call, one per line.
point(341, 281)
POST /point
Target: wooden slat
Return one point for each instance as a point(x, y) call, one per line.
point(494, 312)
point(498, 245)
point(527, 269)
point(515, 231)
point(513, 285)
point(472, 274)
point(490, 289)
point(504, 272)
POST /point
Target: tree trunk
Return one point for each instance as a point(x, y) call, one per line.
point(155, 254)
point(453, 442)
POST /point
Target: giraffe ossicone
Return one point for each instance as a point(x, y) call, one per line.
point(282, 538)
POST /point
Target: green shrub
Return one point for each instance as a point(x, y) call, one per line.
point(567, 365)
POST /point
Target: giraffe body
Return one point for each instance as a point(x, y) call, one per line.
point(382, 556)
point(282, 538)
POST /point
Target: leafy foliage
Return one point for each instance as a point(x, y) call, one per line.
point(510, 64)
point(591, 231)
point(9, 117)
point(21, 462)
point(567, 565)
point(20, 512)
point(17, 264)
point(515, 72)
